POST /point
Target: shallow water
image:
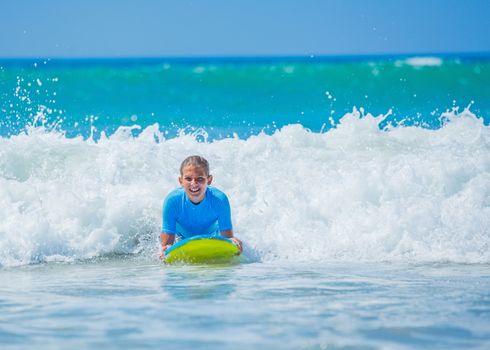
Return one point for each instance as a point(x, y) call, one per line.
point(118, 303)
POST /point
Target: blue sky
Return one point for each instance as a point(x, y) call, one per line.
point(151, 28)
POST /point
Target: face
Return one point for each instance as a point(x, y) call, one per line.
point(194, 181)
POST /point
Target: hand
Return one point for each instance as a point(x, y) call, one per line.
point(162, 253)
point(238, 243)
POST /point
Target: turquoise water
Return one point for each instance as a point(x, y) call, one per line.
point(238, 96)
point(360, 187)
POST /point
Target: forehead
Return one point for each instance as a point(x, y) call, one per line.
point(193, 170)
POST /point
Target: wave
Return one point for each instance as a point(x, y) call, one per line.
point(354, 193)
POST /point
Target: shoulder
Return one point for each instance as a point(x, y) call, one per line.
point(221, 206)
point(175, 196)
point(217, 197)
point(217, 194)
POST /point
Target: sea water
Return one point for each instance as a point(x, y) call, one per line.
point(359, 186)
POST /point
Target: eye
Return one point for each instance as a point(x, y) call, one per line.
point(188, 179)
point(201, 179)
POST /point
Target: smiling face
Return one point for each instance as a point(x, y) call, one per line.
point(194, 180)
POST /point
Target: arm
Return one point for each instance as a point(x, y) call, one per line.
point(229, 234)
point(169, 219)
point(167, 240)
point(224, 220)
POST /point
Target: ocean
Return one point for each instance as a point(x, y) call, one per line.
point(360, 187)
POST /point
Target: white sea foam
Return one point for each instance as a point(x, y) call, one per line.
point(422, 61)
point(355, 193)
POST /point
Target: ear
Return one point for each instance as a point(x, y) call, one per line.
point(210, 179)
point(181, 181)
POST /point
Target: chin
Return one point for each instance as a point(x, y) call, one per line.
point(195, 198)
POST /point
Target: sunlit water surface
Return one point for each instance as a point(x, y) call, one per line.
point(117, 303)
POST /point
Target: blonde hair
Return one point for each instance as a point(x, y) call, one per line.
point(196, 161)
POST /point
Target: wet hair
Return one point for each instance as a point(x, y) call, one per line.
point(196, 161)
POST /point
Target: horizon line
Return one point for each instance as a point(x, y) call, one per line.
point(237, 58)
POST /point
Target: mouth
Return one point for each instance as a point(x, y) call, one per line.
point(194, 190)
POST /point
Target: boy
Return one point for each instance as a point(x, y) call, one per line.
point(195, 208)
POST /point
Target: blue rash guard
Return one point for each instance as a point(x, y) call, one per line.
point(186, 219)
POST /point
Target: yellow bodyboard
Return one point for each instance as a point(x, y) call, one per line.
point(202, 250)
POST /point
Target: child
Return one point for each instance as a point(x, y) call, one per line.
point(195, 209)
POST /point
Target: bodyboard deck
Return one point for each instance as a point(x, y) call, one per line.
point(202, 249)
